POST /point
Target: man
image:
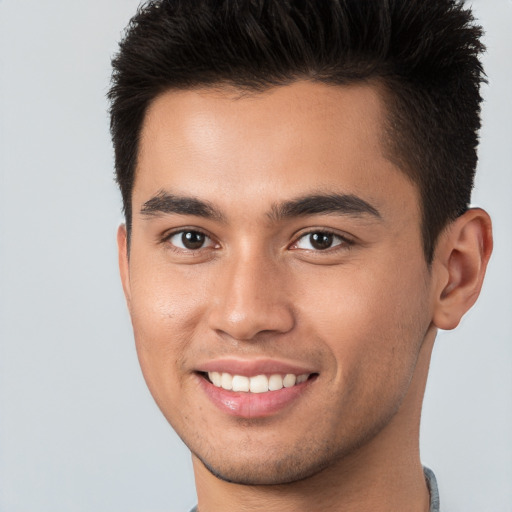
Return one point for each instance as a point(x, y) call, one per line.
point(296, 178)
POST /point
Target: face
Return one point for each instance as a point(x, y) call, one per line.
point(276, 280)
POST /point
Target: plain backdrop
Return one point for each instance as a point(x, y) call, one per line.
point(78, 429)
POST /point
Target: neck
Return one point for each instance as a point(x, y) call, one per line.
point(383, 475)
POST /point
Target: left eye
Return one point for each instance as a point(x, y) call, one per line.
point(190, 240)
point(318, 241)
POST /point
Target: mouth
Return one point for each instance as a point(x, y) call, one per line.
point(254, 389)
point(257, 383)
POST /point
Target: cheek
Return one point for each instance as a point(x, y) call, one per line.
point(166, 308)
point(370, 319)
point(164, 298)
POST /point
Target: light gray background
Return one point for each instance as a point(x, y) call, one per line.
point(78, 429)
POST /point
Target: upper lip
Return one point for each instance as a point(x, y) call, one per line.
point(252, 367)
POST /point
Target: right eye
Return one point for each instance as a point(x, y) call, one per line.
point(190, 240)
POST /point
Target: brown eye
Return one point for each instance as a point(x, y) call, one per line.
point(190, 240)
point(320, 241)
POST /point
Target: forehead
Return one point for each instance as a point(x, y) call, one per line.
point(288, 140)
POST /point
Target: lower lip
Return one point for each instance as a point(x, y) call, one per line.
point(252, 405)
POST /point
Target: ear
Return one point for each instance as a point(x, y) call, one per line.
point(461, 258)
point(124, 269)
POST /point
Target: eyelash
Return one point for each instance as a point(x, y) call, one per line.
point(166, 239)
point(344, 242)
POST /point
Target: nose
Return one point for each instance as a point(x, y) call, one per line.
point(250, 299)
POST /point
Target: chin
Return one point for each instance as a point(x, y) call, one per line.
point(267, 469)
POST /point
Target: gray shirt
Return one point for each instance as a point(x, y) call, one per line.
point(432, 487)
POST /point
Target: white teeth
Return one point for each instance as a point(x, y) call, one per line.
point(226, 381)
point(256, 384)
point(259, 384)
point(240, 383)
point(275, 382)
point(216, 378)
point(302, 378)
point(289, 380)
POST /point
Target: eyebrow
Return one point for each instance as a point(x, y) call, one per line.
point(167, 203)
point(318, 204)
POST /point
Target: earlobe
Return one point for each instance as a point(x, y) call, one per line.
point(122, 248)
point(461, 259)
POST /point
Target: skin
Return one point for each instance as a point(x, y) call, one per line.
point(361, 314)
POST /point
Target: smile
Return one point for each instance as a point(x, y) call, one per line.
point(257, 383)
point(255, 388)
